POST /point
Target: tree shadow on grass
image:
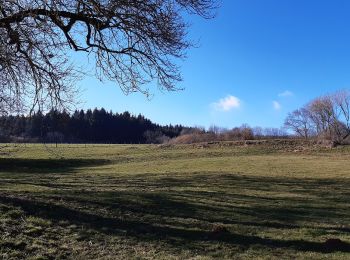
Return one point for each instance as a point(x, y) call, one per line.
point(35, 166)
point(154, 208)
point(146, 231)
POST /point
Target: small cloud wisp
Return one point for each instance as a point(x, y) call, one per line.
point(276, 105)
point(227, 103)
point(286, 93)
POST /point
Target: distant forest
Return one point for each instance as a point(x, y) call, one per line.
point(90, 126)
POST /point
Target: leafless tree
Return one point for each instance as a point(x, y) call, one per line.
point(322, 114)
point(247, 132)
point(327, 116)
point(341, 100)
point(300, 122)
point(330, 116)
point(216, 129)
point(132, 42)
point(258, 131)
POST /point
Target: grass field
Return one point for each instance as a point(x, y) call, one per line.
point(181, 202)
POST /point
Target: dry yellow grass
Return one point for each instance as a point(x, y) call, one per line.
point(144, 201)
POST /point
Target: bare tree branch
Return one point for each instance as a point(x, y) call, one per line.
point(133, 42)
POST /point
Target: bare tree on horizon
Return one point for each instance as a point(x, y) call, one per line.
point(326, 117)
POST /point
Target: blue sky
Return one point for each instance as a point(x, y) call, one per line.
point(257, 61)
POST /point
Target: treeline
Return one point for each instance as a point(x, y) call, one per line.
point(90, 126)
point(216, 133)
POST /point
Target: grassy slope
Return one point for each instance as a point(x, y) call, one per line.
point(180, 202)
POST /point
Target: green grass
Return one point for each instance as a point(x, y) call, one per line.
point(144, 201)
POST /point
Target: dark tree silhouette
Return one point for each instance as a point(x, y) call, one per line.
point(133, 42)
point(97, 126)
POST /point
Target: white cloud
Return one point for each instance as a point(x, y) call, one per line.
point(227, 103)
point(276, 105)
point(286, 93)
